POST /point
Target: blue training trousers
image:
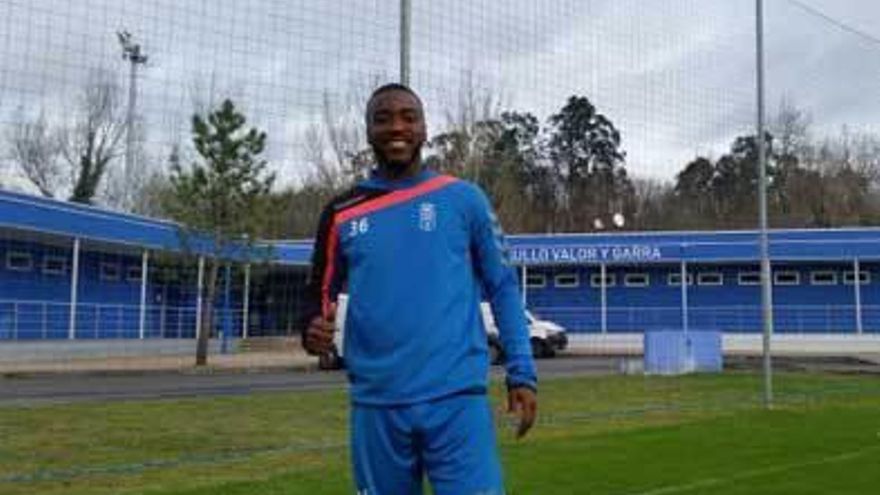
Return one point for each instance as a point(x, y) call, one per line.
point(451, 440)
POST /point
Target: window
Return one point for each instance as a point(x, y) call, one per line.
point(596, 280)
point(54, 265)
point(850, 276)
point(109, 271)
point(749, 278)
point(786, 278)
point(19, 261)
point(674, 279)
point(536, 280)
point(823, 277)
point(133, 274)
point(566, 280)
point(710, 278)
point(636, 280)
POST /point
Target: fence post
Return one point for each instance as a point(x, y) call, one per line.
point(162, 319)
point(45, 330)
point(246, 301)
point(857, 284)
point(142, 317)
point(74, 281)
point(604, 298)
point(199, 288)
point(15, 320)
point(684, 296)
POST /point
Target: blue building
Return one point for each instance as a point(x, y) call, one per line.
point(824, 281)
point(69, 271)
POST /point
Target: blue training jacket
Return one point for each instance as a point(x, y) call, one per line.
point(416, 256)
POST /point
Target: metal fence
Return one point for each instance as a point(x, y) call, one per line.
point(50, 320)
point(789, 319)
point(22, 320)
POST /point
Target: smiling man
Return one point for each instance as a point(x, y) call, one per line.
point(416, 251)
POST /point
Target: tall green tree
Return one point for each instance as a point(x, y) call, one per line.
point(735, 183)
point(534, 187)
point(693, 194)
point(221, 199)
point(585, 149)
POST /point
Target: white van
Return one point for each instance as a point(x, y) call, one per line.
point(546, 336)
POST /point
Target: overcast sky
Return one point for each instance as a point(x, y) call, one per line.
point(676, 76)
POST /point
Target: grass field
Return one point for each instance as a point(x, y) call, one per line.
point(609, 435)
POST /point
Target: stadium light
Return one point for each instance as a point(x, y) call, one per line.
point(132, 53)
point(617, 221)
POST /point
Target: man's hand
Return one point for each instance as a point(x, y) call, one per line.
point(319, 336)
point(523, 402)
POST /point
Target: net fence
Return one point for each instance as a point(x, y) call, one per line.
point(675, 79)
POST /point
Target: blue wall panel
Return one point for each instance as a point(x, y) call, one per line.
point(805, 307)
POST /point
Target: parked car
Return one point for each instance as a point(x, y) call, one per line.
point(546, 337)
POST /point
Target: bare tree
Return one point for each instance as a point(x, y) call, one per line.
point(34, 149)
point(650, 197)
point(791, 129)
point(323, 171)
point(95, 137)
point(123, 192)
point(471, 115)
point(149, 196)
point(343, 132)
point(71, 158)
point(862, 151)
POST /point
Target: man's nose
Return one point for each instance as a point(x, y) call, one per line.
point(397, 124)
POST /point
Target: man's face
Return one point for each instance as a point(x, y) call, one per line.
point(396, 128)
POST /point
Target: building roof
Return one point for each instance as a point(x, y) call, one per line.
point(63, 219)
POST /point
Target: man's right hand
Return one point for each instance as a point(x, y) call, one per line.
point(319, 335)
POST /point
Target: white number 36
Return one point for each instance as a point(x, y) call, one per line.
point(359, 226)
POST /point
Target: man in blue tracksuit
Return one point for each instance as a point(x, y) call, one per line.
point(416, 251)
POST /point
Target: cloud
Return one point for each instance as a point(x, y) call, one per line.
point(676, 76)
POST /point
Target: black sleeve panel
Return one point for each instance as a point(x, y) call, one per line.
point(312, 299)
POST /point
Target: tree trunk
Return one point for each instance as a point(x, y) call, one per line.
point(207, 323)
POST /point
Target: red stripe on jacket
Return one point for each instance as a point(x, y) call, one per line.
point(364, 208)
point(394, 198)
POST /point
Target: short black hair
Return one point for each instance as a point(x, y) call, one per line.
point(385, 88)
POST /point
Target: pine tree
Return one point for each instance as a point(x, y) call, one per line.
point(221, 199)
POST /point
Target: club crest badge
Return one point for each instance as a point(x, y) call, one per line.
point(427, 217)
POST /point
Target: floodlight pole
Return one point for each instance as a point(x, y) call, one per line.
point(405, 26)
point(132, 53)
point(766, 282)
